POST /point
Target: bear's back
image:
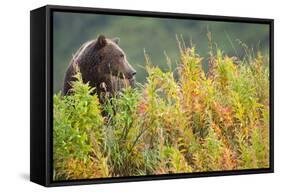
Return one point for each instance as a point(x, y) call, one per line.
point(76, 60)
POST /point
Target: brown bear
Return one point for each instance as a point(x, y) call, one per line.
point(103, 64)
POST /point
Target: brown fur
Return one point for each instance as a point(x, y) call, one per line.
point(103, 64)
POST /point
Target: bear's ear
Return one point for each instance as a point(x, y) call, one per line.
point(116, 40)
point(101, 42)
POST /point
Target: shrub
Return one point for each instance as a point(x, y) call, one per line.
point(197, 122)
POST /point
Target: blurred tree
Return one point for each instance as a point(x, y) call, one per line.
point(155, 35)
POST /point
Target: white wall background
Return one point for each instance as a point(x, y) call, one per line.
point(14, 95)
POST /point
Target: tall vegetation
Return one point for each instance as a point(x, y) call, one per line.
point(189, 122)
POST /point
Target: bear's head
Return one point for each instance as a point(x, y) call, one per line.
point(113, 63)
point(113, 59)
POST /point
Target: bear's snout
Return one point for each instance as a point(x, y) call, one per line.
point(131, 72)
point(134, 73)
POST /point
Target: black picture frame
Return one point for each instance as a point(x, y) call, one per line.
point(41, 75)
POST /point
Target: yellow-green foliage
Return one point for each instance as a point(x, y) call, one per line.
point(196, 123)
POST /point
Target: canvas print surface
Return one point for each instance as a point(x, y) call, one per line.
point(138, 96)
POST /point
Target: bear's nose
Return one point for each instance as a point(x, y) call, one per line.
point(134, 73)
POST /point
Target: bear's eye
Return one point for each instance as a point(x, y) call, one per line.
point(122, 55)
